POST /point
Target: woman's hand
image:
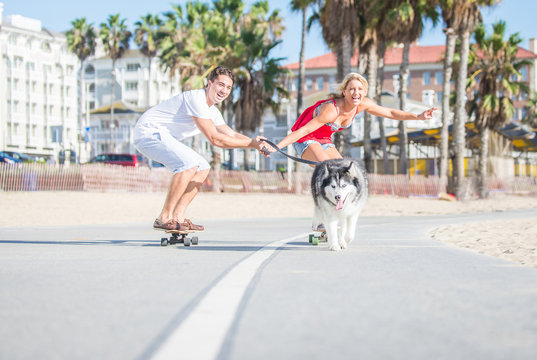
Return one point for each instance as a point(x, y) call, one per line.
point(427, 114)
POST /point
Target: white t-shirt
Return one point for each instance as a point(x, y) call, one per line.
point(175, 115)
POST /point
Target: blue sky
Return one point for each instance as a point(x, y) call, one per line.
point(57, 15)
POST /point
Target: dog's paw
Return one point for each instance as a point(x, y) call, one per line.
point(334, 247)
point(343, 244)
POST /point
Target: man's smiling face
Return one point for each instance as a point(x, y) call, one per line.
point(219, 89)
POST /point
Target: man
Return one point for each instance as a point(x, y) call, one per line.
point(160, 129)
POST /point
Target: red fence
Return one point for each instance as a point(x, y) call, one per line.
point(110, 178)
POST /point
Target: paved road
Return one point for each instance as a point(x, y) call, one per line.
point(255, 289)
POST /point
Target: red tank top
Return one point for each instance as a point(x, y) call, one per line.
point(323, 134)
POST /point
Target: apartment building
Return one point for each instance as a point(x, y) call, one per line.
point(38, 90)
point(139, 84)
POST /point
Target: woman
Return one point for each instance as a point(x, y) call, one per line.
point(312, 132)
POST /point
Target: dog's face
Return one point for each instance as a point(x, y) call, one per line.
point(338, 189)
point(342, 186)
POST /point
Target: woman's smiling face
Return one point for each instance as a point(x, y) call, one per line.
point(354, 92)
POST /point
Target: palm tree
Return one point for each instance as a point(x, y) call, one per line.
point(81, 40)
point(493, 66)
point(302, 7)
point(448, 12)
point(172, 37)
point(466, 15)
point(146, 38)
point(407, 20)
point(339, 22)
point(260, 77)
point(115, 38)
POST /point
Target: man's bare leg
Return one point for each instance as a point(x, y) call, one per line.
point(189, 194)
point(177, 188)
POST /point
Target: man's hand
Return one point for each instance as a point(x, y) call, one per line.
point(264, 148)
point(427, 114)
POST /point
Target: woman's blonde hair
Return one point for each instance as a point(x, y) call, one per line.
point(351, 76)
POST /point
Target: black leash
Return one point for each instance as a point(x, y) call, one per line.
point(309, 162)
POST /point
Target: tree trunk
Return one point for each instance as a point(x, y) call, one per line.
point(302, 67)
point(483, 156)
point(446, 91)
point(378, 98)
point(113, 97)
point(372, 79)
point(81, 96)
point(460, 116)
point(403, 137)
point(362, 61)
point(346, 47)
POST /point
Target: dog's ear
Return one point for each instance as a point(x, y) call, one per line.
point(319, 174)
point(354, 170)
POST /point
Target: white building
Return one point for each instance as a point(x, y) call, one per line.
point(38, 89)
point(137, 88)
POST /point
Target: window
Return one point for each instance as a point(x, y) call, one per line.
point(90, 70)
point(309, 84)
point(439, 76)
point(18, 60)
point(408, 81)
point(46, 47)
point(426, 78)
point(524, 72)
point(92, 88)
point(131, 85)
point(133, 67)
point(296, 84)
point(56, 134)
point(439, 96)
point(320, 83)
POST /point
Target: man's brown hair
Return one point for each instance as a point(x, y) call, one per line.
point(221, 70)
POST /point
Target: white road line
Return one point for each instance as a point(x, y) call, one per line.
point(201, 334)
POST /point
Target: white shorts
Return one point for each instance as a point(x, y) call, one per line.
point(160, 146)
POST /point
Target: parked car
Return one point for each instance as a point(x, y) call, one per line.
point(120, 159)
point(6, 159)
point(22, 157)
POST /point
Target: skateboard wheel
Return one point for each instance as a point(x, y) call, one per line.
point(164, 242)
point(310, 238)
point(315, 240)
point(186, 241)
point(195, 240)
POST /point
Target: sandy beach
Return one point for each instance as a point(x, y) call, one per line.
point(514, 240)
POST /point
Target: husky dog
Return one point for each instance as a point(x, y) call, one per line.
point(339, 189)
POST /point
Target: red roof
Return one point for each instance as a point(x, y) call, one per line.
point(418, 54)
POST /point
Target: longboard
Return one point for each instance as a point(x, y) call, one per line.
point(317, 237)
point(179, 237)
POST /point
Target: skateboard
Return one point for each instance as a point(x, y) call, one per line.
point(316, 239)
point(179, 237)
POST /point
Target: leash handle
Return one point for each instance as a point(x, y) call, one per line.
point(309, 162)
